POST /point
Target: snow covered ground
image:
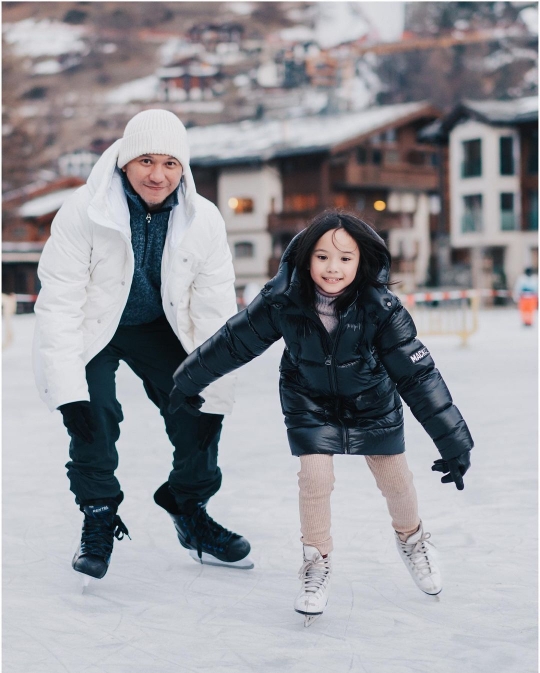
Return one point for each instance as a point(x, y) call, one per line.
point(157, 611)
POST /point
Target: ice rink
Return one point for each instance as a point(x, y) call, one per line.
point(157, 611)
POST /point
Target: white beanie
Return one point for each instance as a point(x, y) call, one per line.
point(154, 132)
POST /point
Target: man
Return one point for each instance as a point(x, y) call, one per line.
point(137, 269)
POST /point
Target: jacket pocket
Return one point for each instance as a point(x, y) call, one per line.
point(377, 397)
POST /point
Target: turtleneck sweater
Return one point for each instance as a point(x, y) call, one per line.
point(325, 307)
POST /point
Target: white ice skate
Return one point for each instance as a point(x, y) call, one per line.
point(419, 557)
point(315, 576)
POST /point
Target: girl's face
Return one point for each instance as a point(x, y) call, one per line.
point(334, 261)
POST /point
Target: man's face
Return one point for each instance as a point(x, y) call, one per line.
point(153, 177)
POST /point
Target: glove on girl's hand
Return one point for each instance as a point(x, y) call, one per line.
point(79, 420)
point(177, 400)
point(456, 467)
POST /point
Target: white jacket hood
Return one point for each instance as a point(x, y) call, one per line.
point(104, 197)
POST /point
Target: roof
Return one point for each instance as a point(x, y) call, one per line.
point(266, 139)
point(43, 205)
point(517, 111)
point(504, 111)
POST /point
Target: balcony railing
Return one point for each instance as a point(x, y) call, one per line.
point(291, 221)
point(471, 222)
point(508, 221)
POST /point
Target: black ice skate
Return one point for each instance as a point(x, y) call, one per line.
point(207, 541)
point(101, 525)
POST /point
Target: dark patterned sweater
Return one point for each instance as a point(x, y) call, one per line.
point(148, 232)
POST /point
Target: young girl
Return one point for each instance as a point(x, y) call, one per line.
point(350, 352)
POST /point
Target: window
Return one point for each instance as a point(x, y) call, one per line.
point(506, 145)
point(471, 219)
point(472, 159)
point(376, 157)
point(298, 203)
point(244, 249)
point(240, 205)
point(391, 157)
point(390, 136)
point(532, 215)
point(508, 217)
point(361, 155)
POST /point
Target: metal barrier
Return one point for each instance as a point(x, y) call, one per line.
point(452, 312)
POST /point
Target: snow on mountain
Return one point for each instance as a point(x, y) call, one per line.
point(44, 38)
point(529, 16)
point(143, 89)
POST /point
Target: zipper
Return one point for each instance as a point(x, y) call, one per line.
point(330, 362)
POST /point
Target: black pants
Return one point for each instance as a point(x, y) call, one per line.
point(153, 352)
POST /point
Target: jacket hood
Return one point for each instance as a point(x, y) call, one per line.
point(103, 178)
point(286, 282)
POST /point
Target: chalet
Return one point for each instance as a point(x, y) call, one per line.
point(26, 225)
point(269, 178)
point(188, 79)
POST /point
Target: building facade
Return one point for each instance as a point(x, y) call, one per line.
point(493, 150)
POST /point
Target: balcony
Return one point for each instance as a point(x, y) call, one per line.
point(290, 222)
point(508, 221)
point(402, 175)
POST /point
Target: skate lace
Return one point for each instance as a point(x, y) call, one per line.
point(418, 554)
point(99, 533)
point(315, 573)
point(209, 534)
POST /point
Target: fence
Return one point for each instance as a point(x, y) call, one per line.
point(453, 312)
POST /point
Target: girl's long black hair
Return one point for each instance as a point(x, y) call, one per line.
point(374, 255)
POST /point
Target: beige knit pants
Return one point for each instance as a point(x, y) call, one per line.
point(316, 482)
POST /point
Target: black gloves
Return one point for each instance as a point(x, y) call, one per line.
point(79, 420)
point(456, 467)
point(177, 400)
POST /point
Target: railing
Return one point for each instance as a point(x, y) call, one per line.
point(471, 169)
point(290, 221)
point(471, 222)
point(508, 221)
point(447, 313)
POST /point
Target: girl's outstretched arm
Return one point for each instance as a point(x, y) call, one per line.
point(410, 365)
point(243, 337)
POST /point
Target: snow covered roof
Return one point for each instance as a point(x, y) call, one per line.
point(515, 111)
point(43, 205)
point(263, 140)
point(497, 111)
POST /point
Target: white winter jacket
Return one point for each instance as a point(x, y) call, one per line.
point(86, 271)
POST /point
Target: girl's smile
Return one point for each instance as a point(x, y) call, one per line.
point(334, 261)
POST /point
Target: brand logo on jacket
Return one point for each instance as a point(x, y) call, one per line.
point(419, 355)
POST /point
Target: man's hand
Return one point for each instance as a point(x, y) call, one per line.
point(79, 420)
point(456, 467)
point(177, 400)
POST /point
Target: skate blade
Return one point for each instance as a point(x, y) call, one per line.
point(309, 619)
point(86, 579)
point(209, 560)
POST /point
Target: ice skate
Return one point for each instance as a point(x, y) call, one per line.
point(101, 525)
point(418, 556)
point(315, 575)
point(207, 541)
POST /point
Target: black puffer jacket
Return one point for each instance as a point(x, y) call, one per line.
point(339, 394)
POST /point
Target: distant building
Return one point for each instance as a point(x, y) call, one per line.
point(493, 170)
point(78, 163)
point(26, 226)
point(269, 178)
point(188, 79)
point(212, 34)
